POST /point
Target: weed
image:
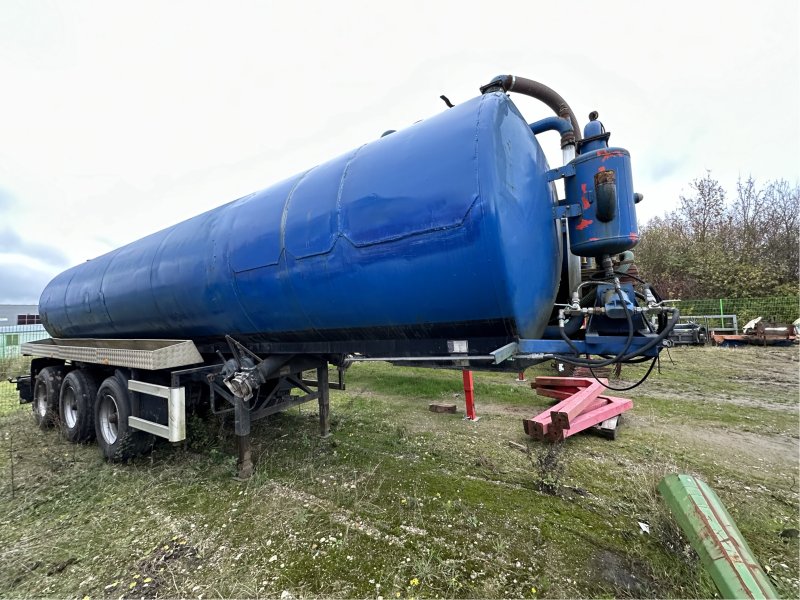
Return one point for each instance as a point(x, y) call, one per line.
point(549, 466)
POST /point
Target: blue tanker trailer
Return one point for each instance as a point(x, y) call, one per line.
point(444, 244)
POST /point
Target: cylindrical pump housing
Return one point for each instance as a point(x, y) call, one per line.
point(604, 186)
point(442, 229)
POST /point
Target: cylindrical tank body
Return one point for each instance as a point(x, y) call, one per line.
point(443, 229)
point(604, 186)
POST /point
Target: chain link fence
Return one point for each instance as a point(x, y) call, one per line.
point(12, 363)
point(774, 309)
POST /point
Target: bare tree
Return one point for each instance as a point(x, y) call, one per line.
point(708, 247)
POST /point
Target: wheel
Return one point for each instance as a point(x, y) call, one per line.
point(76, 405)
point(45, 396)
point(117, 440)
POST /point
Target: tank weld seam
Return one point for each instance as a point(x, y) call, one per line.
point(402, 236)
point(113, 255)
point(285, 212)
point(487, 252)
point(475, 153)
point(314, 254)
point(293, 295)
point(339, 232)
point(169, 232)
point(64, 300)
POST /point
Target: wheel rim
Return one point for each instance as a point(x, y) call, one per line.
point(70, 407)
point(41, 401)
point(109, 418)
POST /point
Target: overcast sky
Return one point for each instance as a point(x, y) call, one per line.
point(121, 118)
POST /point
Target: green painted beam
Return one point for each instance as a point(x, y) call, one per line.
point(713, 534)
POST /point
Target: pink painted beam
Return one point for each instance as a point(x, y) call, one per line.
point(565, 413)
point(557, 393)
point(538, 426)
point(564, 381)
point(613, 407)
point(541, 426)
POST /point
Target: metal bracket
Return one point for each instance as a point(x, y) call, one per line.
point(561, 211)
point(505, 352)
point(593, 344)
point(567, 170)
point(175, 431)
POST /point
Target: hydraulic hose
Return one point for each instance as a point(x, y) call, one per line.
point(534, 89)
point(604, 362)
point(573, 324)
point(586, 362)
point(571, 327)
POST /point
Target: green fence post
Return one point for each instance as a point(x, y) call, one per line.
point(721, 318)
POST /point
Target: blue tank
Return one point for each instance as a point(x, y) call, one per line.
point(444, 228)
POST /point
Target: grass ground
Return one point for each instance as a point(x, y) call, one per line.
point(402, 502)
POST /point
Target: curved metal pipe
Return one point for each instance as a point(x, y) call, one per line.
point(534, 89)
point(558, 124)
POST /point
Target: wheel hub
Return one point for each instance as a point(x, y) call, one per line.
point(109, 418)
point(70, 408)
point(41, 402)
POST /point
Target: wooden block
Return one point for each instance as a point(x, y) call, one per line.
point(441, 407)
point(607, 429)
point(610, 423)
point(598, 372)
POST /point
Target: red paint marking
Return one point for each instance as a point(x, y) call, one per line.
point(593, 239)
point(600, 169)
point(726, 555)
point(583, 224)
point(633, 236)
point(583, 197)
point(606, 154)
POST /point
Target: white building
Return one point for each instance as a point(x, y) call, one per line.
point(19, 323)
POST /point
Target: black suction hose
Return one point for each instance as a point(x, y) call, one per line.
point(534, 89)
point(571, 327)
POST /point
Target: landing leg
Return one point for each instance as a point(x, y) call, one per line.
point(242, 426)
point(324, 401)
point(469, 395)
point(245, 463)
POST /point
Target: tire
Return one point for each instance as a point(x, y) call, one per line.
point(116, 439)
point(46, 390)
point(76, 406)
